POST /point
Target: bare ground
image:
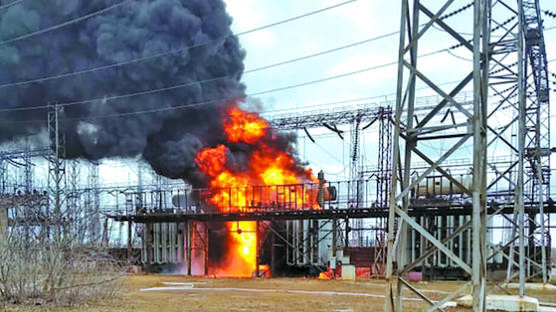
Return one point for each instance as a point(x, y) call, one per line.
point(277, 294)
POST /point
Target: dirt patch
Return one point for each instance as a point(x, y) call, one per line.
point(280, 294)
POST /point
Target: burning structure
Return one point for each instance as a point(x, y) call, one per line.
point(177, 62)
point(254, 170)
point(237, 187)
point(179, 66)
point(249, 201)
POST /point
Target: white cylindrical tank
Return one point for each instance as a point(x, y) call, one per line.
point(433, 186)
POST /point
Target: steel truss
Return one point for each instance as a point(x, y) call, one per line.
point(66, 206)
point(359, 119)
point(92, 203)
point(534, 149)
point(367, 114)
point(469, 125)
point(383, 177)
point(56, 173)
point(503, 35)
point(19, 158)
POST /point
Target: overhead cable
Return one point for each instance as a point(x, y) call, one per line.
point(181, 85)
point(185, 106)
point(174, 87)
point(191, 105)
point(58, 26)
point(5, 6)
point(174, 51)
point(457, 11)
point(212, 79)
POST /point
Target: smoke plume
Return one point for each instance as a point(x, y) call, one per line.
point(167, 139)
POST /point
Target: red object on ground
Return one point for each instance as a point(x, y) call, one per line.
point(326, 275)
point(362, 272)
point(264, 271)
point(415, 276)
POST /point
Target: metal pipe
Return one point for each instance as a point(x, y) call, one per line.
point(521, 150)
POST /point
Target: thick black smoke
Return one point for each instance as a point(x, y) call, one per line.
point(168, 140)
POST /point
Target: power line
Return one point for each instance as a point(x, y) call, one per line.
point(333, 77)
point(249, 71)
point(296, 17)
point(329, 154)
point(216, 78)
point(470, 60)
point(291, 110)
point(136, 60)
point(5, 6)
point(157, 55)
point(151, 91)
point(189, 47)
point(73, 21)
point(457, 11)
point(261, 92)
point(290, 61)
point(549, 28)
point(351, 45)
point(191, 105)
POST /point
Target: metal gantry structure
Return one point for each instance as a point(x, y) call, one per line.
point(505, 113)
point(19, 158)
point(384, 178)
point(56, 204)
point(504, 35)
point(54, 216)
point(535, 137)
point(359, 118)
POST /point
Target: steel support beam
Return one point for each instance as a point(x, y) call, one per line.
point(467, 123)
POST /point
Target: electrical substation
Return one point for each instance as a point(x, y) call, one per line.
point(457, 189)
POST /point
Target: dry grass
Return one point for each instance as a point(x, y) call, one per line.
point(204, 296)
point(277, 298)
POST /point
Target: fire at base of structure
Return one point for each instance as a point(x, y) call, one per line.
point(305, 229)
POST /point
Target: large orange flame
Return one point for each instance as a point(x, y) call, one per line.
point(261, 185)
point(241, 126)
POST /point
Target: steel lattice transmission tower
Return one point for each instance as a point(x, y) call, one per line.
point(92, 210)
point(56, 173)
point(470, 127)
point(509, 115)
point(534, 151)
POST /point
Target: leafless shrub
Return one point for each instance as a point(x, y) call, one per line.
point(45, 264)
